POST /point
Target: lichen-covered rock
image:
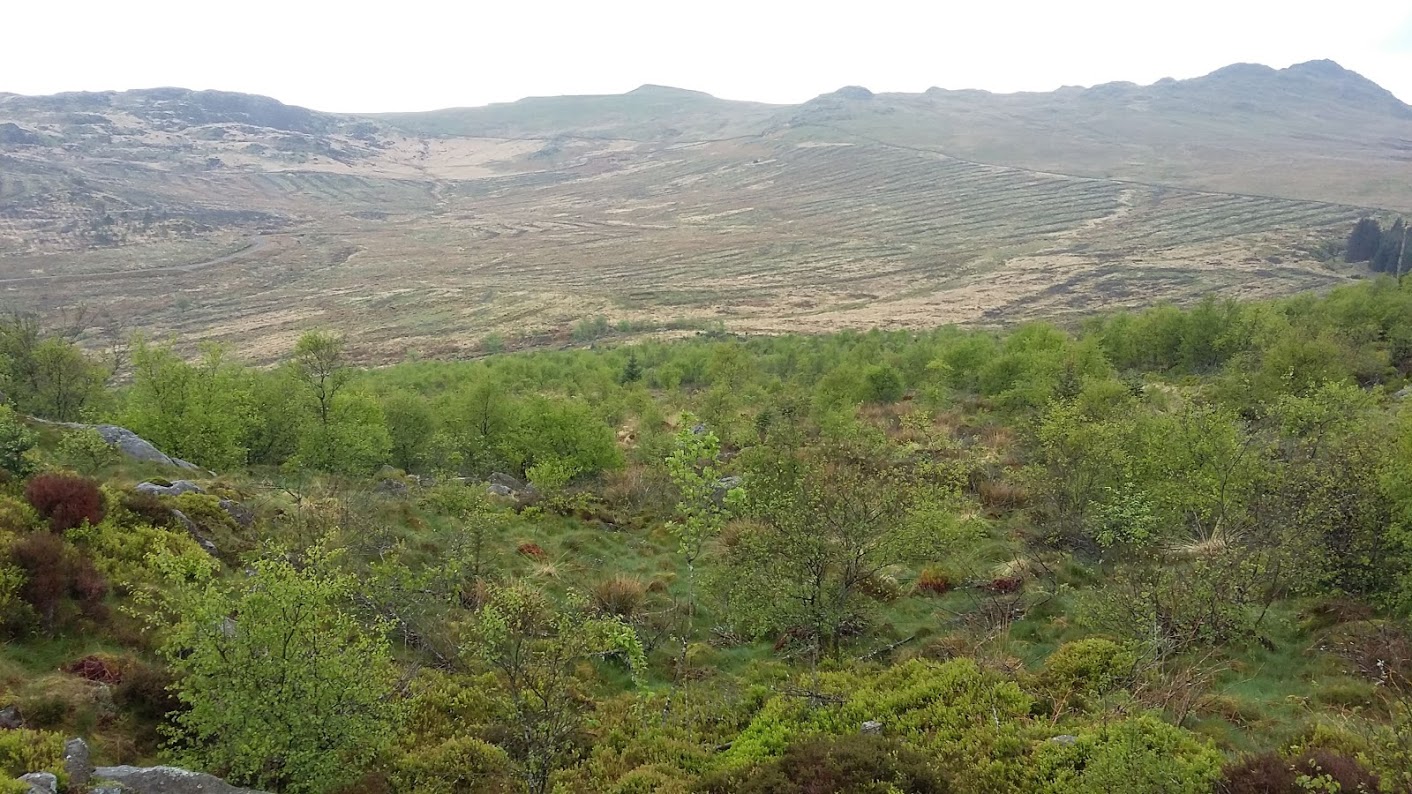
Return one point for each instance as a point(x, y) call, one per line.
point(77, 763)
point(195, 532)
point(238, 513)
point(10, 718)
point(166, 780)
point(41, 782)
point(135, 446)
point(177, 488)
point(503, 479)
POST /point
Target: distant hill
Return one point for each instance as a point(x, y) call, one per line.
point(240, 218)
point(649, 113)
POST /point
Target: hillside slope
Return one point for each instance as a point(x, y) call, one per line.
point(238, 218)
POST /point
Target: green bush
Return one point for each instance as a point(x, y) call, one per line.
point(857, 764)
point(85, 450)
point(17, 516)
point(1137, 754)
point(126, 553)
point(883, 384)
point(1081, 671)
point(23, 751)
point(971, 722)
point(206, 513)
point(453, 766)
point(17, 443)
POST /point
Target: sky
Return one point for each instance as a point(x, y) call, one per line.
point(404, 55)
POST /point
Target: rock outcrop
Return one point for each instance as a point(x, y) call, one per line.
point(41, 783)
point(165, 780)
point(177, 488)
point(78, 765)
point(131, 444)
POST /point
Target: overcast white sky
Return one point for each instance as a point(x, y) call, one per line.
point(359, 56)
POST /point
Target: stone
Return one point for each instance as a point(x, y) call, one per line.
point(1402, 393)
point(78, 764)
point(10, 718)
point(238, 513)
point(501, 478)
point(136, 447)
point(392, 488)
point(166, 780)
point(872, 727)
point(698, 430)
point(722, 487)
point(177, 488)
point(196, 534)
point(503, 491)
point(1065, 739)
point(41, 782)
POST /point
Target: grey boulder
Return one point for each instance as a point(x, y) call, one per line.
point(177, 488)
point(137, 447)
point(166, 780)
point(77, 762)
point(41, 783)
point(196, 534)
point(238, 513)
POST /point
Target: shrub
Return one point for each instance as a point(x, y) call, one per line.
point(16, 516)
point(23, 751)
point(859, 763)
point(146, 691)
point(16, 444)
point(1266, 773)
point(1137, 754)
point(455, 765)
point(933, 581)
point(1314, 770)
point(1324, 766)
point(86, 450)
point(1004, 585)
point(532, 550)
point(882, 384)
point(147, 508)
point(96, 667)
point(1380, 650)
point(969, 721)
point(212, 521)
point(65, 500)
point(620, 595)
point(53, 572)
point(1001, 495)
point(127, 555)
point(1088, 668)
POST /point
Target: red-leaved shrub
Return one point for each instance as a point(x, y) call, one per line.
point(1268, 773)
point(66, 500)
point(532, 550)
point(1004, 584)
point(54, 571)
point(102, 669)
point(933, 582)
